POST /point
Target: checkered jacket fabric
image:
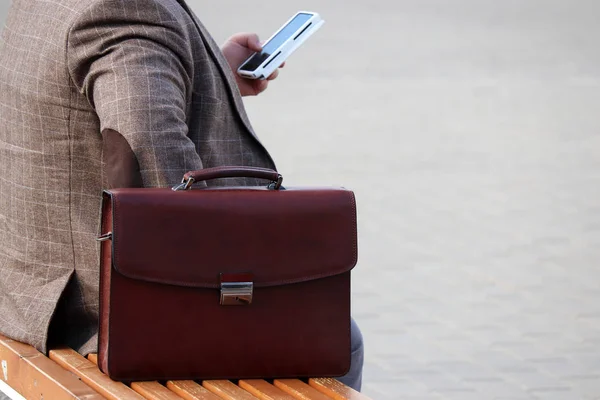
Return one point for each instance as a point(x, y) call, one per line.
point(69, 71)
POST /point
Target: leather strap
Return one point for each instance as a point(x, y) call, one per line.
point(232, 172)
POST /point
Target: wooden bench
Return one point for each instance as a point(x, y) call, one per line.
point(68, 375)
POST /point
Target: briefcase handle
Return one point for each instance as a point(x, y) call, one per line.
point(230, 172)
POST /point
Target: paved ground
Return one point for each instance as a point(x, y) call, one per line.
point(470, 133)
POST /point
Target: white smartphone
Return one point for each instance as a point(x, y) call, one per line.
point(281, 45)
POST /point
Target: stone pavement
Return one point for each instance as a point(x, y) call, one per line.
point(470, 132)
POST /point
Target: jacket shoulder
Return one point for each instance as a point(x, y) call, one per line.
point(151, 10)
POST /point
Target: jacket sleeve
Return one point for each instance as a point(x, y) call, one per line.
point(134, 63)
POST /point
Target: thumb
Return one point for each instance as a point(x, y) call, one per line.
point(253, 42)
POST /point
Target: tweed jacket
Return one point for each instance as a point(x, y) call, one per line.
point(97, 94)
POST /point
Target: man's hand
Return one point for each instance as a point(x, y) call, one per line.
point(236, 50)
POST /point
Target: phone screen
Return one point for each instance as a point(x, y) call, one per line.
point(275, 42)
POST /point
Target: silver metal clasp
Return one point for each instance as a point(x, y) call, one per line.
point(184, 185)
point(276, 185)
point(236, 293)
point(105, 237)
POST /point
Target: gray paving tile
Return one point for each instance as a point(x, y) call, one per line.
point(459, 395)
point(397, 389)
point(560, 367)
point(554, 394)
point(465, 370)
point(496, 387)
point(520, 397)
point(374, 372)
point(536, 381)
point(585, 386)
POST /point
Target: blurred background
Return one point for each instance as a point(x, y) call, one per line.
point(470, 132)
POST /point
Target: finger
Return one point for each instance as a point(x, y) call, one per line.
point(282, 65)
point(260, 86)
point(273, 75)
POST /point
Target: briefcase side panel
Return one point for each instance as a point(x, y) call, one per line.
point(171, 332)
point(105, 276)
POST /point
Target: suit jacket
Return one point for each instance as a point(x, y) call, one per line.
point(97, 94)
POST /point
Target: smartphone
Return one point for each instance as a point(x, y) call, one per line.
point(281, 45)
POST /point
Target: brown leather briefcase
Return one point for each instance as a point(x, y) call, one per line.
point(226, 283)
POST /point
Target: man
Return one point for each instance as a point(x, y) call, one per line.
point(97, 94)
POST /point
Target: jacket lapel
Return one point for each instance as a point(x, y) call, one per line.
point(223, 66)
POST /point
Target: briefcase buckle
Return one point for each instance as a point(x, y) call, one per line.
point(236, 293)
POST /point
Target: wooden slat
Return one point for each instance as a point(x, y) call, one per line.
point(148, 390)
point(92, 376)
point(35, 376)
point(154, 391)
point(227, 390)
point(93, 357)
point(299, 390)
point(264, 390)
point(336, 389)
point(190, 390)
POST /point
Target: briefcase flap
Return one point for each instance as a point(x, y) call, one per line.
point(190, 238)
